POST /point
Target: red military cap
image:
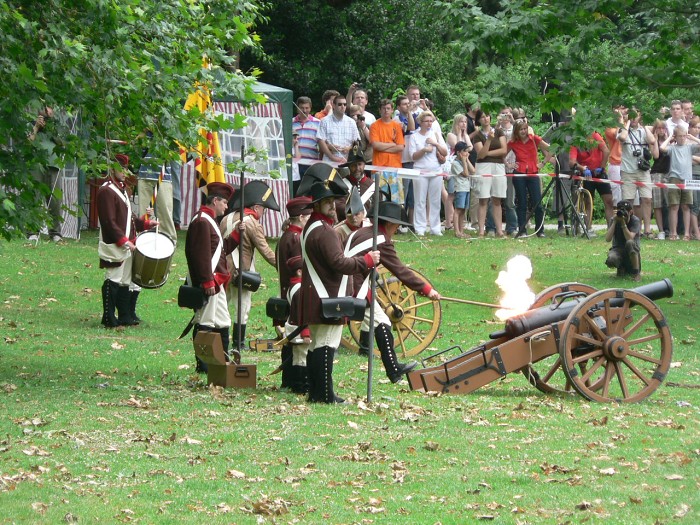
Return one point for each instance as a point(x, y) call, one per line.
point(299, 206)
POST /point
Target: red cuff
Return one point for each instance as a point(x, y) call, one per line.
point(209, 284)
point(236, 236)
point(426, 289)
point(306, 332)
point(369, 261)
point(122, 241)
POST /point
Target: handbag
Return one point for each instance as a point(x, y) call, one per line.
point(191, 297)
point(337, 308)
point(277, 308)
point(251, 280)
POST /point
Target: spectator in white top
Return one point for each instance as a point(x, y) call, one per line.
point(359, 97)
point(677, 118)
point(337, 133)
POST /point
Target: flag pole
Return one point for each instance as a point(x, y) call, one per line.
point(240, 253)
point(373, 288)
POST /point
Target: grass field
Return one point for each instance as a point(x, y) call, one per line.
point(114, 426)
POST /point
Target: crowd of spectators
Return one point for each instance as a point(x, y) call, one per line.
point(503, 196)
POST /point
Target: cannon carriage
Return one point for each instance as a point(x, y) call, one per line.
point(610, 345)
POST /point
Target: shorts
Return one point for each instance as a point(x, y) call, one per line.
point(629, 191)
point(658, 195)
point(603, 188)
point(461, 200)
point(494, 186)
point(676, 196)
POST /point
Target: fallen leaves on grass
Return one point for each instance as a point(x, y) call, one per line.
point(134, 402)
point(117, 345)
point(35, 451)
point(267, 506)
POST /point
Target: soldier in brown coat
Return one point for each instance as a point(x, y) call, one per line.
point(257, 198)
point(118, 226)
point(360, 242)
point(356, 179)
point(289, 246)
point(325, 275)
point(206, 250)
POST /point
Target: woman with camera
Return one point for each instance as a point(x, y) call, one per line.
point(639, 145)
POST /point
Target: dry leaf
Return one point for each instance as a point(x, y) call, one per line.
point(608, 471)
point(235, 474)
point(117, 346)
point(584, 505)
point(674, 477)
point(682, 511)
point(353, 425)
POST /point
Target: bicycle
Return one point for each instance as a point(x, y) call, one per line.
point(582, 209)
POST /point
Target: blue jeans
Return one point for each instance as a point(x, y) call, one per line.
point(525, 186)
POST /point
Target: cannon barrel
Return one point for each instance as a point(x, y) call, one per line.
point(547, 315)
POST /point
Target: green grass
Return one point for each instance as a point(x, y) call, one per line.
point(114, 426)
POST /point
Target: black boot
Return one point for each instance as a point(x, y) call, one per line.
point(133, 297)
point(385, 343)
point(300, 381)
point(287, 379)
point(323, 365)
point(124, 307)
point(312, 375)
point(364, 343)
point(238, 328)
point(201, 366)
point(109, 291)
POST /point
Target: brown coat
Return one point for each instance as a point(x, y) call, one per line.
point(253, 238)
point(113, 215)
point(288, 246)
point(200, 246)
point(324, 251)
point(363, 185)
point(389, 259)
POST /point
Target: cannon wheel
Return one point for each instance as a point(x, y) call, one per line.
point(627, 343)
point(547, 375)
point(417, 320)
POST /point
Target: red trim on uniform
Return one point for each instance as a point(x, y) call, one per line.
point(426, 289)
point(369, 261)
point(249, 211)
point(316, 216)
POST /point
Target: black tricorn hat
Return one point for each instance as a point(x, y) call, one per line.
point(323, 189)
point(393, 212)
point(353, 204)
point(355, 155)
point(316, 172)
point(257, 192)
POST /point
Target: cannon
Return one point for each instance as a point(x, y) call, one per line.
point(608, 346)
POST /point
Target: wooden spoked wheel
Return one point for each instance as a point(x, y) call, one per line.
point(547, 375)
point(626, 341)
point(583, 210)
point(415, 319)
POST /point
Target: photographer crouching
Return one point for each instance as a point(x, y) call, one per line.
point(623, 231)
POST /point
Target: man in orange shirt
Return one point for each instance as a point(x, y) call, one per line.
point(386, 136)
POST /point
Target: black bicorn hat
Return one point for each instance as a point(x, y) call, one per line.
point(257, 192)
point(355, 155)
point(353, 204)
point(317, 172)
point(323, 189)
point(393, 212)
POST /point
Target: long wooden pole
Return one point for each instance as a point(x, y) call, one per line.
point(373, 289)
point(466, 301)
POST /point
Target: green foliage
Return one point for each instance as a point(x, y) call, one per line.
point(122, 67)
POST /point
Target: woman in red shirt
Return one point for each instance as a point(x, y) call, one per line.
point(525, 147)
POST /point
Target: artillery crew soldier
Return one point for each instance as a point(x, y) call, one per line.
point(206, 250)
point(118, 226)
point(355, 216)
point(257, 198)
point(322, 275)
point(356, 179)
point(289, 246)
point(390, 217)
point(298, 345)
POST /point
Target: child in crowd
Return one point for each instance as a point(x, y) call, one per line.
point(462, 170)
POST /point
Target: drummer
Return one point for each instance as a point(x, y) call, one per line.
point(118, 226)
point(390, 217)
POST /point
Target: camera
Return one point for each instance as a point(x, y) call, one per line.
point(622, 213)
point(637, 153)
point(643, 164)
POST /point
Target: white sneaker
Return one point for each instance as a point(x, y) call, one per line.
point(403, 229)
point(33, 238)
point(56, 238)
point(661, 236)
point(470, 228)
